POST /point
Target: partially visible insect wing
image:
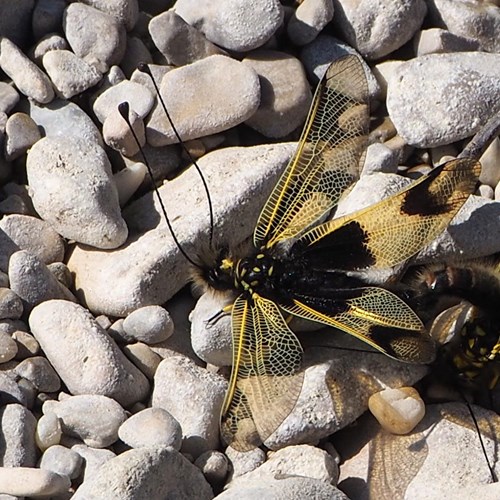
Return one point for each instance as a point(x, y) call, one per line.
point(265, 379)
point(327, 160)
point(395, 229)
point(374, 315)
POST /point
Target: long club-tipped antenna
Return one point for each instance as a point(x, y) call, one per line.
point(145, 69)
point(124, 109)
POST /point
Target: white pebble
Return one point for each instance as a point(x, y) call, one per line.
point(28, 482)
point(48, 431)
point(150, 324)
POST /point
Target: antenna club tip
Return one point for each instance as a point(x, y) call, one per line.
point(144, 68)
point(124, 108)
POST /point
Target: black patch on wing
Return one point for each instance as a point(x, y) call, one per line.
point(347, 248)
point(332, 305)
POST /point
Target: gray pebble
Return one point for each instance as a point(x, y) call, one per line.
point(27, 345)
point(11, 325)
point(10, 393)
point(151, 427)
point(62, 461)
point(21, 132)
point(216, 103)
point(70, 74)
point(129, 180)
point(92, 418)
point(33, 282)
point(478, 21)
point(73, 190)
point(95, 36)
point(15, 21)
point(11, 306)
point(152, 473)
point(38, 371)
point(117, 134)
point(33, 483)
point(140, 99)
point(163, 160)
point(486, 191)
point(214, 466)
point(131, 287)
point(48, 43)
point(29, 390)
point(437, 41)
point(283, 487)
point(157, 70)
point(31, 234)
point(83, 354)
point(150, 324)
point(125, 11)
point(17, 447)
point(193, 396)
point(252, 23)
point(28, 78)
point(62, 119)
point(48, 431)
point(244, 461)
point(137, 52)
point(179, 42)
point(8, 346)
point(61, 273)
point(425, 89)
point(282, 107)
point(310, 17)
point(8, 97)
point(47, 17)
point(490, 159)
point(378, 28)
point(93, 458)
point(380, 158)
point(143, 357)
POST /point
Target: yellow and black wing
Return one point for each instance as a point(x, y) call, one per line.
point(327, 160)
point(266, 379)
point(395, 229)
point(374, 315)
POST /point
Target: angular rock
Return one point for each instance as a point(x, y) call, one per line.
point(70, 74)
point(252, 23)
point(11, 306)
point(73, 190)
point(202, 101)
point(28, 78)
point(21, 132)
point(39, 372)
point(193, 396)
point(428, 88)
point(10, 392)
point(92, 418)
point(83, 354)
point(283, 107)
point(152, 473)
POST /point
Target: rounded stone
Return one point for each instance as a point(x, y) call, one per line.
point(201, 101)
point(70, 74)
point(150, 324)
point(125, 11)
point(48, 431)
point(73, 190)
point(128, 181)
point(92, 418)
point(214, 466)
point(33, 483)
point(21, 132)
point(39, 372)
point(117, 134)
point(11, 306)
point(283, 105)
point(8, 97)
point(62, 461)
point(307, 21)
point(27, 77)
point(234, 25)
point(143, 357)
point(151, 427)
point(8, 347)
point(83, 354)
point(397, 410)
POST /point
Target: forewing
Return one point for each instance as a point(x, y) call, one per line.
point(265, 379)
point(374, 315)
point(327, 160)
point(393, 230)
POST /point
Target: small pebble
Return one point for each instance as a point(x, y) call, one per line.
point(93, 419)
point(32, 281)
point(151, 427)
point(69, 74)
point(8, 348)
point(28, 78)
point(150, 324)
point(93, 458)
point(397, 410)
point(83, 354)
point(91, 214)
point(214, 466)
point(48, 431)
point(143, 357)
point(62, 461)
point(17, 446)
point(486, 191)
point(8, 97)
point(21, 132)
point(244, 461)
point(33, 483)
point(11, 306)
point(61, 273)
point(95, 36)
point(27, 345)
point(380, 158)
point(128, 180)
point(437, 41)
point(117, 134)
point(38, 371)
point(307, 21)
point(48, 43)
